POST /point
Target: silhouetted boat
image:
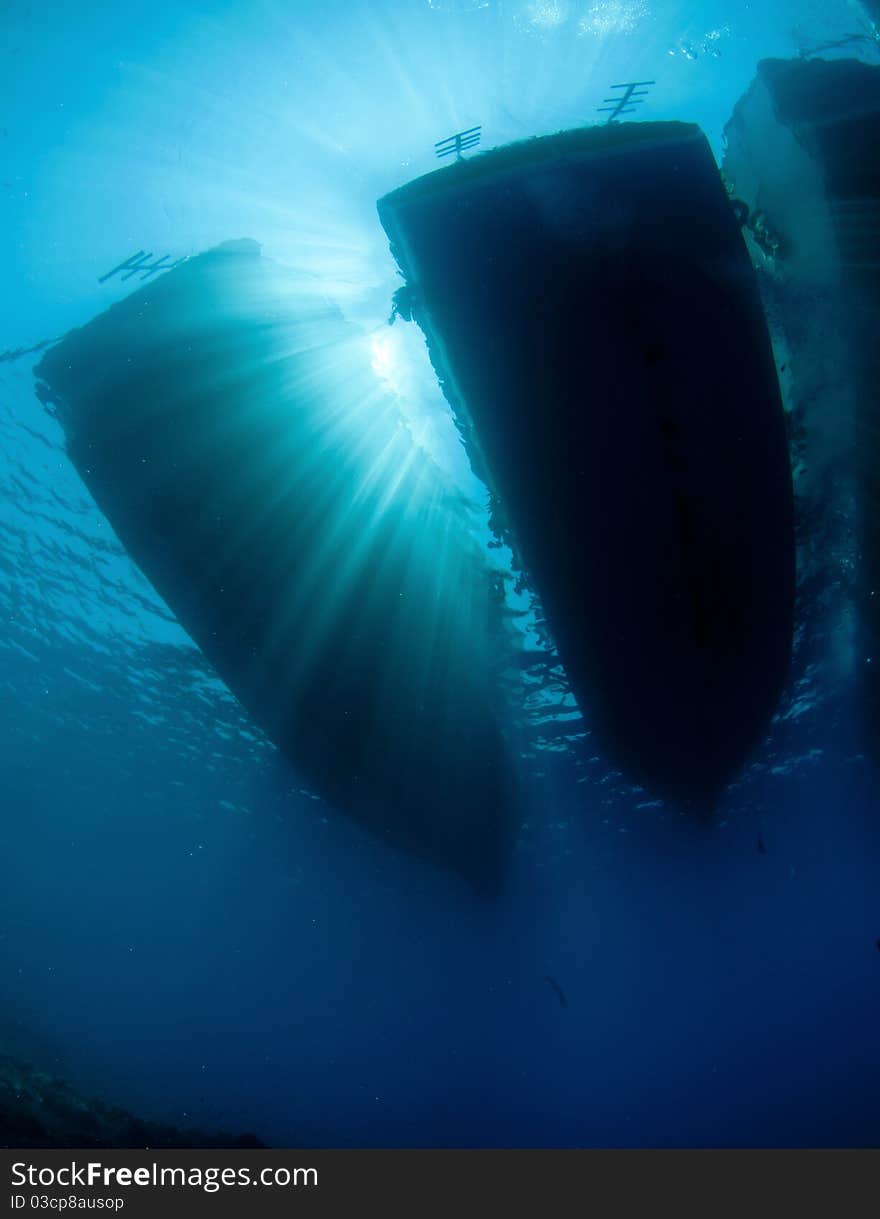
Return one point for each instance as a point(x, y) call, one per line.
point(594, 319)
point(802, 153)
point(227, 422)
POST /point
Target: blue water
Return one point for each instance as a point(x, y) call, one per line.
point(187, 931)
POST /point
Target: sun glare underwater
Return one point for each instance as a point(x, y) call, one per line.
point(439, 566)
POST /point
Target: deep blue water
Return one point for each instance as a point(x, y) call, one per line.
point(184, 929)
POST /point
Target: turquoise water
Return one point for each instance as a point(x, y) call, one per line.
point(185, 927)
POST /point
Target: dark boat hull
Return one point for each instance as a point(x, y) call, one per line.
point(802, 153)
point(230, 428)
point(593, 315)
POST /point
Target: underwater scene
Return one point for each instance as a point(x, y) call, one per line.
point(440, 573)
